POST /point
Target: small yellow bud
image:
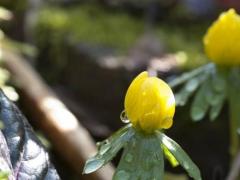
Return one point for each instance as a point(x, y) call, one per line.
point(149, 103)
point(222, 40)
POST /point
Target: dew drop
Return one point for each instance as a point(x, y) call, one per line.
point(122, 175)
point(103, 146)
point(124, 117)
point(129, 157)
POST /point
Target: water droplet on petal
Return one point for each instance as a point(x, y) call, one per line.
point(129, 157)
point(124, 117)
point(122, 175)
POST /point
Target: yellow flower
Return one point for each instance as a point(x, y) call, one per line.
point(222, 40)
point(149, 103)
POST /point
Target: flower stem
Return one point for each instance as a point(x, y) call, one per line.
point(234, 106)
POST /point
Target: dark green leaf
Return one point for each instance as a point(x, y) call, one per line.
point(181, 156)
point(200, 104)
point(142, 159)
point(22, 152)
point(186, 76)
point(108, 149)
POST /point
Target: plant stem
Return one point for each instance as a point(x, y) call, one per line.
point(234, 106)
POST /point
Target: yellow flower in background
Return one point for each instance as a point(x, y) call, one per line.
point(149, 103)
point(222, 40)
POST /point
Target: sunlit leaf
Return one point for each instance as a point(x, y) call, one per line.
point(4, 175)
point(169, 156)
point(142, 159)
point(186, 76)
point(181, 156)
point(108, 149)
point(25, 156)
point(5, 14)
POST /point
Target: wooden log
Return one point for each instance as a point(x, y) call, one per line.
point(69, 138)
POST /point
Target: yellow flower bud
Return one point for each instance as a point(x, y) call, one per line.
point(149, 103)
point(222, 40)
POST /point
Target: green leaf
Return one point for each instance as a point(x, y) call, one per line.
point(170, 176)
point(142, 159)
point(218, 83)
point(189, 88)
point(169, 156)
point(216, 109)
point(186, 76)
point(108, 149)
point(181, 156)
point(200, 103)
point(218, 93)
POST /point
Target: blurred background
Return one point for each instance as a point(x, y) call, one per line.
point(88, 51)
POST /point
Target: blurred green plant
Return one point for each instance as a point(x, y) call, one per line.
point(4, 43)
point(216, 82)
point(94, 24)
point(4, 175)
point(143, 140)
point(13, 46)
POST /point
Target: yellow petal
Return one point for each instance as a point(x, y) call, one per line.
point(149, 103)
point(222, 40)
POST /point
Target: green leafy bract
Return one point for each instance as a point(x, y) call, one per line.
point(108, 149)
point(142, 159)
point(189, 75)
point(181, 156)
point(200, 104)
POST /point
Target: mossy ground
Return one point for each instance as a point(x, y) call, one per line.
point(98, 25)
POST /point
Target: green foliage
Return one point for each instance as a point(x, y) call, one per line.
point(91, 24)
point(185, 77)
point(143, 155)
point(96, 25)
point(8, 44)
point(4, 175)
point(142, 159)
point(185, 40)
point(108, 149)
point(181, 156)
point(210, 84)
